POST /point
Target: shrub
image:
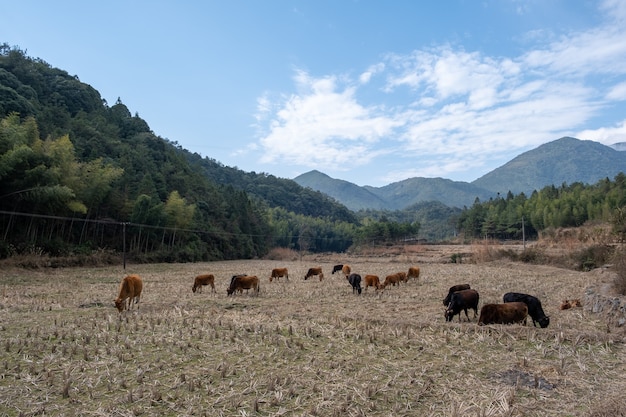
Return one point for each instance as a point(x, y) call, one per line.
point(592, 257)
point(456, 258)
point(530, 256)
point(282, 254)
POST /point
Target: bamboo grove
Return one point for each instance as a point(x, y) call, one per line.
point(549, 208)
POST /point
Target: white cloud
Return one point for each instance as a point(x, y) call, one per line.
point(617, 92)
point(264, 107)
point(366, 76)
point(461, 109)
point(324, 127)
point(606, 135)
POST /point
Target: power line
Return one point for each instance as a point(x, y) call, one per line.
point(149, 226)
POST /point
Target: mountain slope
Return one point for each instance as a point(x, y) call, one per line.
point(349, 194)
point(565, 160)
point(404, 193)
point(397, 195)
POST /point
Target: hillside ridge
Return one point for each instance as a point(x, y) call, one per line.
point(565, 160)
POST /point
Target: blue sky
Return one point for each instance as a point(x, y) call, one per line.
point(367, 91)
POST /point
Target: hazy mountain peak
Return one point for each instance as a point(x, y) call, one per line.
point(565, 160)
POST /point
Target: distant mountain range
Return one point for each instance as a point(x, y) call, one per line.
point(566, 160)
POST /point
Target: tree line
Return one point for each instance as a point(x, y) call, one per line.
point(569, 205)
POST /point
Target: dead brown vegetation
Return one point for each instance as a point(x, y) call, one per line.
point(304, 348)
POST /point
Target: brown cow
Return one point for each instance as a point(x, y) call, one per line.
point(414, 272)
point(394, 279)
point(202, 280)
point(567, 304)
point(130, 288)
point(278, 273)
point(346, 270)
point(507, 313)
point(245, 282)
point(372, 281)
point(315, 271)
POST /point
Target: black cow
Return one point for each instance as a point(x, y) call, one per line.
point(355, 281)
point(336, 268)
point(453, 289)
point(461, 301)
point(232, 280)
point(534, 307)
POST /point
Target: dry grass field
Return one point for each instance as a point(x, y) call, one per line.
point(301, 348)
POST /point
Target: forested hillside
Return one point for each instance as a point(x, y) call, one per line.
point(550, 208)
point(277, 192)
point(78, 175)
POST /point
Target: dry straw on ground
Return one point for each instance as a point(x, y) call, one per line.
point(301, 348)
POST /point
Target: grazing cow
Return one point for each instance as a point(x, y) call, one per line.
point(314, 272)
point(534, 307)
point(278, 273)
point(232, 279)
point(130, 288)
point(372, 281)
point(414, 272)
point(453, 289)
point(202, 280)
point(346, 270)
point(243, 282)
point(461, 301)
point(355, 281)
point(394, 279)
point(337, 268)
point(567, 304)
point(507, 313)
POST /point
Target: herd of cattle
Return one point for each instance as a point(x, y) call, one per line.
point(514, 309)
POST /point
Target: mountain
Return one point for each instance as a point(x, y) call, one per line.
point(397, 195)
point(349, 194)
point(404, 193)
point(620, 146)
point(566, 160)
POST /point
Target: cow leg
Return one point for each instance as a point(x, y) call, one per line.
point(466, 315)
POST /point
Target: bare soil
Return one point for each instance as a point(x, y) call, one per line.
point(303, 348)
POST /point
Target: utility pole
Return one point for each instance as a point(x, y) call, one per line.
point(124, 243)
point(523, 234)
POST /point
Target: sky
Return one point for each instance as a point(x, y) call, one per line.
point(365, 91)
